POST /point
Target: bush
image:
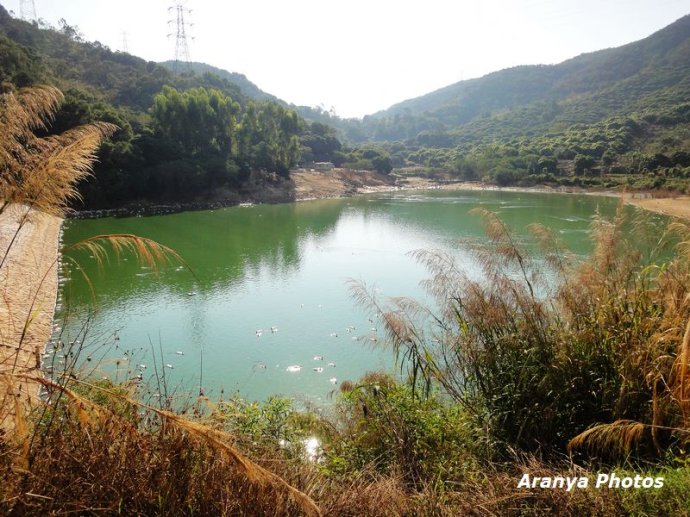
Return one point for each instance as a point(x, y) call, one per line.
point(388, 430)
point(539, 369)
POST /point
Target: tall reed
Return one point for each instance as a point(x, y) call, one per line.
point(537, 365)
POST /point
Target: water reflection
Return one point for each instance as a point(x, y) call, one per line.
point(220, 246)
point(285, 267)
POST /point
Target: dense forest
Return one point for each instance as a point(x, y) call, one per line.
point(182, 136)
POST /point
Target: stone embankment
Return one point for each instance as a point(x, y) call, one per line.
point(29, 247)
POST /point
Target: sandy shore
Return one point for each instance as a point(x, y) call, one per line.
point(671, 206)
point(29, 281)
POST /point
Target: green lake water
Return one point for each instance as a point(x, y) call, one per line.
point(283, 266)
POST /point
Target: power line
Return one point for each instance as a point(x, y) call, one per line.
point(179, 11)
point(27, 10)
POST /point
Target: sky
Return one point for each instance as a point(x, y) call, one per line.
point(357, 57)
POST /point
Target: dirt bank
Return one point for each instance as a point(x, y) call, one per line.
point(671, 206)
point(337, 183)
point(29, 242)
point(343, 182)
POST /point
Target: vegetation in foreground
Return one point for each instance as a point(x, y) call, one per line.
point(505, 376)
point(508, 378)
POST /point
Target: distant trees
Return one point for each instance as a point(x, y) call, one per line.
point(19, 66)
point(583, 164)
point(269, 138)
point(196, 129)
point(369, 158)
point(208, 142)
point(320, 142)
point(189, 143)
point(196, 123)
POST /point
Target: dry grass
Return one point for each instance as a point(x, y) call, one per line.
point(87, 459)
point(377, 497)
point(603, 358)
point(42, 173)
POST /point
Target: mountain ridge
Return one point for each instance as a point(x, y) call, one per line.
point(247, 87)
point(667, 37)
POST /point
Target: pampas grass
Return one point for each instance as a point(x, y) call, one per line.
point(42, 173)
point(86, 420)
point(598, 363)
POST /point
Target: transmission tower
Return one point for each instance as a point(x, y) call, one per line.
point(125, 47)
point(179, 11)
point(27, 10)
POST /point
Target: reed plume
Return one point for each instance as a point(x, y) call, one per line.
point(43, 172)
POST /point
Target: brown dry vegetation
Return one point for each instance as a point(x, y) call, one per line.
point(609, 347)
point(66, 453)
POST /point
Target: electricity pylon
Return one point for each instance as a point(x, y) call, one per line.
point(27, 10)
point(179, 11)
point(125, 46)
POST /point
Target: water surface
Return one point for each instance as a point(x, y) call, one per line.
point(284, 267)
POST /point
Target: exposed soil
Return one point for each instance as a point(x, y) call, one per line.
point(343, 182)
point(337, 183)
point(671, 206)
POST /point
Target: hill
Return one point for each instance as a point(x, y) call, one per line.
point(585, 89)
point(192, 137)
point(612, 117)
point(246, 87)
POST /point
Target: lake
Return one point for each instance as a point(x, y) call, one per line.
point(269, 289)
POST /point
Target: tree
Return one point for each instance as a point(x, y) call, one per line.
point(198, 130)
point(196, 122)
point(547, 164)
point(321, 141)
point(583, 163)
point(268, 138)
point(382, 164)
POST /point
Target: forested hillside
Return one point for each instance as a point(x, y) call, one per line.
point(612, 117)
point(618, 81)
point(182, 137)
point(248, 88)
point(622, 111)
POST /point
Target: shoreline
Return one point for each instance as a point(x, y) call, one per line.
point(341, 183)
point(30, 272)
point(678, 207)
point(29, 279)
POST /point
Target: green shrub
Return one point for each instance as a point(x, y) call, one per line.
point(386, 429)
point(536, 367)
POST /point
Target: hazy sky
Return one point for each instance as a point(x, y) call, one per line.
point(361, 56)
